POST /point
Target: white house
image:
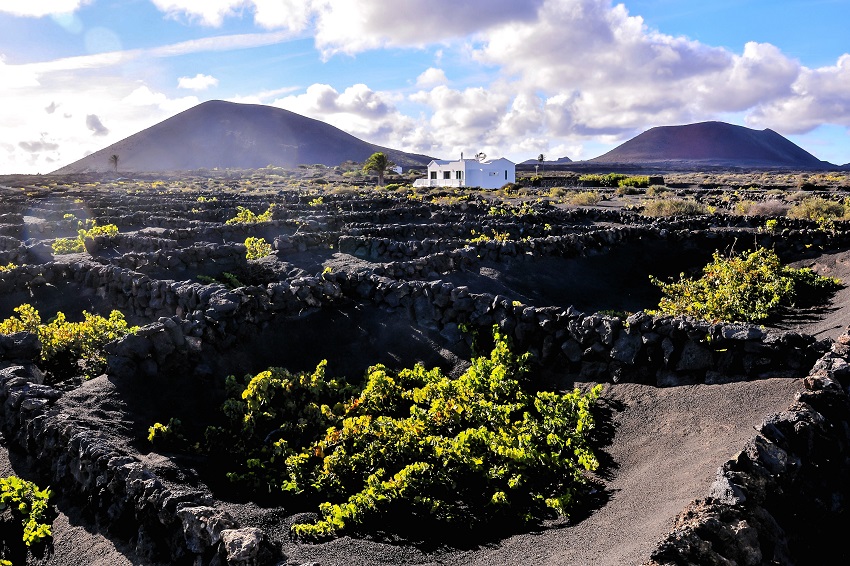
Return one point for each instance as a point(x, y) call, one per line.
point(490, 174)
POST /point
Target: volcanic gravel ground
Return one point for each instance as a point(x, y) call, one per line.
point(660, 447)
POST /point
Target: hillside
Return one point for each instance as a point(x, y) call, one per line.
point(229, 135)
point(713, 143)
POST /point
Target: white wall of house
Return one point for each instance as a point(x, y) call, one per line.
point(490, 174)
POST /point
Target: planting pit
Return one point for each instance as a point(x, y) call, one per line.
point(394, 278)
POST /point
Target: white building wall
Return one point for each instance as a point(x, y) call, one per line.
point(469, 173)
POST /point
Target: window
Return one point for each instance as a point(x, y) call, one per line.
point(506, 174)
point(433, 174)
point(458, 175)
point(447, 174)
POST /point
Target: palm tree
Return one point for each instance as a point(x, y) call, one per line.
point(379, 163)
point(113, 159)
point(541, 158)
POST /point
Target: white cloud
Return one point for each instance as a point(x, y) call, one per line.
point(87, 85)
point(289, 14)
point(262, 97)
point(597, 69)
point(143, 96)
point(352, 26)
point(818, 96)
point(430, 77)
point(207, 12)
point(17, 76)
point(40, 8)
point(357, 110)
point(198, 82)
point(94, 124)
point(96, 109)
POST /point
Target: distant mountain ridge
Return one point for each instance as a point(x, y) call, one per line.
point(559, 161)
point(713, 143)
point(218, 134)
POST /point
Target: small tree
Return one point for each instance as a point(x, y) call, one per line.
point(379, 163)
point(113, 160)
point(541, 158)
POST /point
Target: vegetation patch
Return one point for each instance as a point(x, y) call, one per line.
point(77, 245)
point(673, 207)
point(28, 505)
point(609, 180)
point(245, 216)
point(70, 349)
point(411, 448)
point(746, 287)
point(583, 198)
point(257, 248)
point(637, 182)
point(818, 209)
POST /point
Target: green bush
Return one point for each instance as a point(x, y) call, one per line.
point(746, 288)
point(638, 182)
point(257, 248)
point(583, 198)
point(609, 180)
point(627, 190)
point(70, 348)
point(28, 503)
point(817, 208)
point(167, 435)
point(77, 245)
point(656, 190)
point(673, 207)
point(413, 446)
point(64, 246)
point(245, 216)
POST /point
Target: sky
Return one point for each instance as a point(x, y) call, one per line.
point(512, 78)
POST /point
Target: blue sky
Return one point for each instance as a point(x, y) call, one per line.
point(507, 77)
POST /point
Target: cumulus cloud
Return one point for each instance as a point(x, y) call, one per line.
point(38, 146)
point(357, 110)
point(41, 8)
point(352, 26)
point(86, 103)
point(290, 14)
point(198, 82)
point(496, 120)
point(94, 124)
point(817, 97)
point(207, 12)
point(17, 76)
point(596, 69)
point(430, 77)
point(611, 75)
point(143, 96)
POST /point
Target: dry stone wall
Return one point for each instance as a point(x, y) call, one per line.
point(782, 499)
point(165, 523)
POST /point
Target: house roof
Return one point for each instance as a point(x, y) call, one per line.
point(450, 161)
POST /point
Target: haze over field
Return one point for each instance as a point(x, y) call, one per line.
point(515, 78)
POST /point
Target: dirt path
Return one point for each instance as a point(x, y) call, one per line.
point(667, 446)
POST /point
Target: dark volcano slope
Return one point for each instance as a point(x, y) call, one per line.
point(241, 136)
point(713, 143)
